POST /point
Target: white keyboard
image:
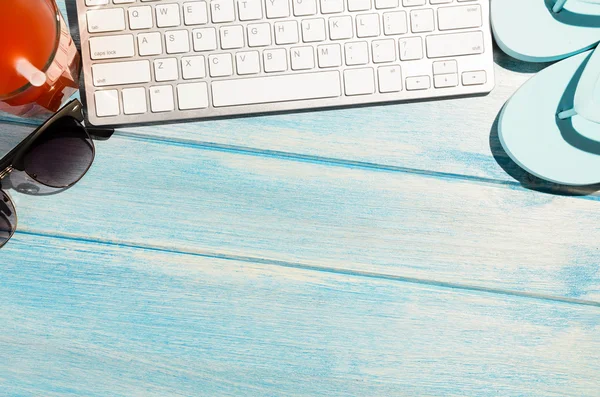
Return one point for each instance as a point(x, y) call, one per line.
point(149, 61)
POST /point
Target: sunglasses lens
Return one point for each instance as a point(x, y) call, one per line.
point(61, 155)
point(8, 220)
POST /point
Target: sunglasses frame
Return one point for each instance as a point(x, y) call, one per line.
point(14, 160)
point(14, 227)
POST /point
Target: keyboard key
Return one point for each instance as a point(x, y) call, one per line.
point(107, 47)
point(460, 17)
point(161, 99)
point(381, 4)
point(313, 30)
point(150, 43)
point(332, 6)
point(474, 78)
point(193, 67)
point(359, 81)
point(367, 25)
point(304, 7)
point(277, 8)
point(232, 37)
point(411, 48)
point(329, 55)
point(359, 5)
point(357, 53)
point(192, 96)
point(445, 80)
point(165, 69)
point(286, 32)
point(390, 78)
point(91, 3)
point(456, 44)
point(107, 20)
point(302, 58)
point(422, 20)
point(167, 16)
point(340, 27)
point(445, 67)
point(276, 88)
point(249, 10)
point(204, 39)
point(220, 65)
point(394, 23)
point(195, 13)
point(107, 103)
point(134, 100)
point(222, 11)
point(259, 34)
point(275, 60)
point(178, 41)
point(120, 73)
point(140, 17)
point(247, 62)
point(383, 50)
point(413, 3)
point(418, 83)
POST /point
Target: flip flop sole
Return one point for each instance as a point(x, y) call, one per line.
point(527, 30)
point(561, 151)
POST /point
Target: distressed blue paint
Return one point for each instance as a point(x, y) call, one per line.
point(374, 251)
point(186, 198)
point(84, 319)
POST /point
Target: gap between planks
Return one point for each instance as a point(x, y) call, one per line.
point(415, 241)
point(586, 193)
point(307, 267)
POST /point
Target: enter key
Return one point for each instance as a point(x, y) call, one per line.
point(461, 17)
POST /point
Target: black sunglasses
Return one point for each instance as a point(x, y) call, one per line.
point(57, 154)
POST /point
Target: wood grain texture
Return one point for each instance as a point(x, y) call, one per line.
point(380, 251)
point(187, 198)
point(83, 319)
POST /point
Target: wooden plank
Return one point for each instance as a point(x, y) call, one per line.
point(81, 319)
point(190, 199)
point(455, 136)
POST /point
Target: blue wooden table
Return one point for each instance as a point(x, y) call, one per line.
point(380, 251)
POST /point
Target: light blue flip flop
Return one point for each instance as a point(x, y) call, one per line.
point(551, 126)
point(545, 30)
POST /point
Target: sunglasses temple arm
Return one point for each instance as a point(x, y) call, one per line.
point(100, 133)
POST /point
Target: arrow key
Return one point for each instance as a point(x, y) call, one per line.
point(445, 80)
point(418, 83)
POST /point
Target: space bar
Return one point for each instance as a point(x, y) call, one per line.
point(291, 87)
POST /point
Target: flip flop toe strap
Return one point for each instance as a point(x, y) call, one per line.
point(560, 4)
point(587, 95)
